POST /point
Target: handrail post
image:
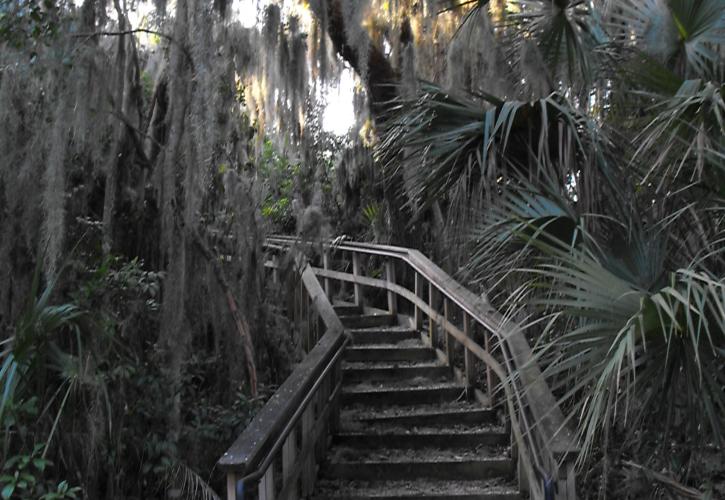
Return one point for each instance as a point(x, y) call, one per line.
point(430, 318)
point(390, 277)
point(489, 389)
point(308, 469)
point(266, 485)
point(566, 482)
point(468, 356)
point(232, 486)
point(289, 454)
point(275, 269)
point(446, 317)
point(326, 266)
point(356, 272)
point(418, 316)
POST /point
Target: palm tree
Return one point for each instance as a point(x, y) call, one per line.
point(598, 210)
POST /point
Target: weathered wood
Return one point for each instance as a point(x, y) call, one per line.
point(549, 424)
point(250, 448)
point(417, 315)
point(469, 366)
point(356, 272)
point(430, 321)
point(326, 265)
point(390, 276)
point(489, 382)
point(289, 456)
point(449, 346)
point(232, 486)
point(549, 418)
point(307, 453)
point(266, 485)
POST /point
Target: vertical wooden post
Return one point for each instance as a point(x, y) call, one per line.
point(289, 453)
point(446, 316)
point(390, 277)
point(430, 317)
point(489, 389)
point(266, 485)
point(326, 266)
point(418, 316)
point(468, 359)
point(308, 467)
point(356, 272)
point(567, 481)
point(275, 269)
point(232, 487)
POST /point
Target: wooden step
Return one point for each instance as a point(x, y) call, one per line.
point(486, 489)
point(347, 310)
point(415, 440)
point(422, 464)
point(390, 396)
point(368, 320)
point(388, 353)
point(382, 335)
point(439, 416)
point(372, 373)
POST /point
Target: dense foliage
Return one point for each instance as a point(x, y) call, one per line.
point(590, 196)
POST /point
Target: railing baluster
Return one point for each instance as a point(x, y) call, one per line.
point(449, 344)
point(266, 485)
point(390, 277)
point(232, 487)
point(308, 469)
point(430, 319)
point(489, 389)
point(289, 454)
point(356, 272)
point(326, 266)
point(468, 356)
point(418, 316)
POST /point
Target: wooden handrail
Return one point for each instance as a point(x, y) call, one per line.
point(250, 456)
point(533, 393)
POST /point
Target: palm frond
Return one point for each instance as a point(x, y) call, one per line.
point(564, 32)
point(631, 350)
point(683, 34)
point(684, 131)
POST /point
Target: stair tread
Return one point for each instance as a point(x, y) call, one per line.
point(404, 344)
point(481, 453)
point(383, 328)
point(357, 428)
point(413, 488)
point(415, 384)
point(375, 365)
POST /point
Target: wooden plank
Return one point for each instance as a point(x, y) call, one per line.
point(390, 276)
point(489, 383)
point(266, 485)
point(326, 265)
point(356, 272)
point(470, 367)
point(418, 315)
point(430, 320)
point(307, 455)
point(289, 456)
point(449, 344)
point(232, 486)
point(250, 448)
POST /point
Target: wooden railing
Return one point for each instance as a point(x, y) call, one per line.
point(276, 455)
point(458, 320)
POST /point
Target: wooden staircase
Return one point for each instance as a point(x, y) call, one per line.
point(378, 407)
point(408, 429)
